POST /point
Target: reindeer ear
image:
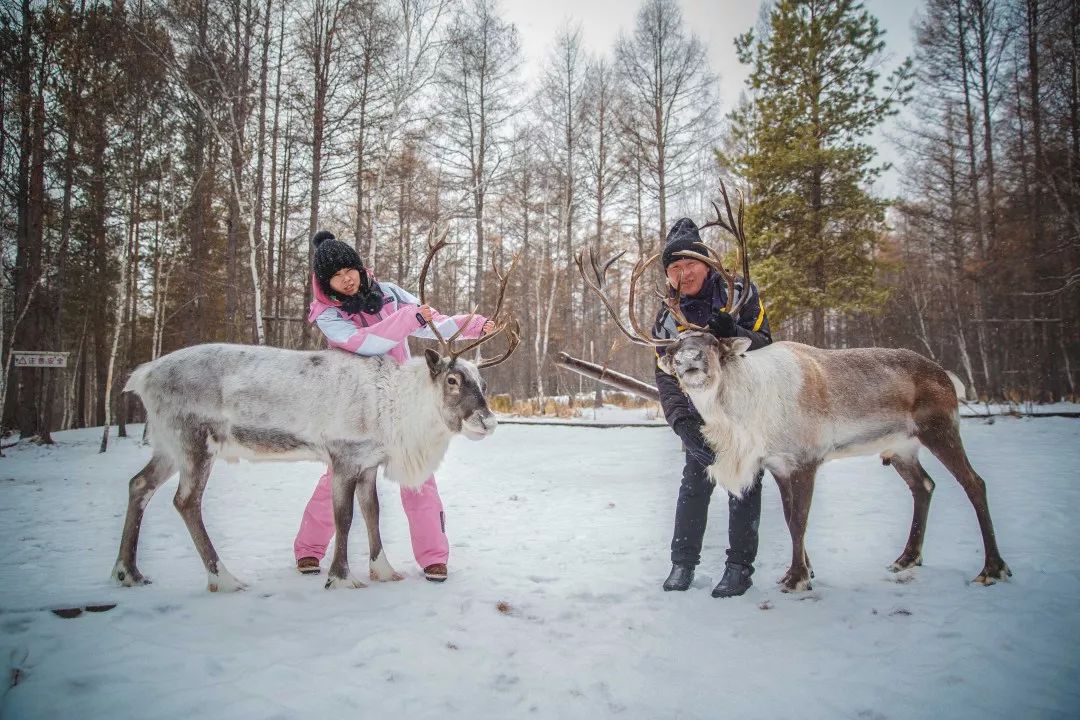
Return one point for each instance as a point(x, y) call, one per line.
point(433, 359)
point(737, 346)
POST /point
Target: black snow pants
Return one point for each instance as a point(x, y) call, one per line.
point(692, 513)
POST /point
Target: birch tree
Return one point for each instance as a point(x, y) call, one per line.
point(477, 80)
point(671, 100)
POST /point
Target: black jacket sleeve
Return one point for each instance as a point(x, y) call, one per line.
point(752, 322)
point(673, 400)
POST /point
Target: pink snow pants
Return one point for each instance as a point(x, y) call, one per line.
point(423, 508)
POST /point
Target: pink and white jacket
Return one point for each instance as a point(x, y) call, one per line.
point(385, 332)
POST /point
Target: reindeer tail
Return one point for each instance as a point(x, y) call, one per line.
point(958, 384)
point(137, 381)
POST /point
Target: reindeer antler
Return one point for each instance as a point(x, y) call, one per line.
point(433, 247)
point(513, 337)
point(501, 326)
point(635, 333)
point(596, 284)
point(446, 344)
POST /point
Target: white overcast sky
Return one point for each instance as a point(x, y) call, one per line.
point(716, 22)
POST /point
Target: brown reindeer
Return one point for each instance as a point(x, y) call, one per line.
point(790, 407)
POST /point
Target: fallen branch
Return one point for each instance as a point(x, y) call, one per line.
point(608, 376)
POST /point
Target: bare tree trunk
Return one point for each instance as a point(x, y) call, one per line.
point(72, 405)
point(639, 226)
point(259, 308)
point(202, 191)
point(272, 301)
point(283, 231)
point(14, 328)
point(543, 334)
point(118, 327)
point(420, 52)
point(981, 300)
point(290, 150)
point(31, 214)
point(323, 48)
point(1040, 253)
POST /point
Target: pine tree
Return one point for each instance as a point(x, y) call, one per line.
point(816, 97)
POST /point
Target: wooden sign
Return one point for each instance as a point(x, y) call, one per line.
point(34, 358)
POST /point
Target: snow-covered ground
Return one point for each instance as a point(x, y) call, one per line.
point(566, 530)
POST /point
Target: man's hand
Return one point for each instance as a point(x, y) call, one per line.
point(425, 312)
point(689, 431)
point(722, 324)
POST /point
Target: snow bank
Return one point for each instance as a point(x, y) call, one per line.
point(553, 608)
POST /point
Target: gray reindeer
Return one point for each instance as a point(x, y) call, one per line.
point(262, 403)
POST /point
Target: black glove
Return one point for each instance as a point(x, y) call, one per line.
point(689, 431)
point(722, 324)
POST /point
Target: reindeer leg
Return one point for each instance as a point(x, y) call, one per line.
point(785, 501)
point(800, 487)
point(344, 486)
point(188, 501)
point(942, 437)
point(922, 489)
point(141, 488)
point(379, 568)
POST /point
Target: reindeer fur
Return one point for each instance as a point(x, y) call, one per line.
point(262, 403)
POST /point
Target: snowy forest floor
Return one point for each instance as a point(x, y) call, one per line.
point(553, 609)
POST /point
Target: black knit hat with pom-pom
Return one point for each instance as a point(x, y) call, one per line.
point(682, 236)
point(331, 255)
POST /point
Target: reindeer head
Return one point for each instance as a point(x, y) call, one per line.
point(698, 359)
point(464, 408)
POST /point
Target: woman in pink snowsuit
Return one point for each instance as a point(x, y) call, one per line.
point(360, 315)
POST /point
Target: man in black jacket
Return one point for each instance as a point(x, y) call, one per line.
point(703, 297)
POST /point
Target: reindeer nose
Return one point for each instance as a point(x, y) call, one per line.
point(488, 421)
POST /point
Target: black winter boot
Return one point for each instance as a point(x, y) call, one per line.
point(736, 581)
point(680, 577)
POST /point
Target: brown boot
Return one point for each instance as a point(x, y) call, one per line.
point(308, 565)
point(436, 572)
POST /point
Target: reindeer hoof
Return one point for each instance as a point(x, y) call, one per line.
point(786, 578)
point(336, 583)
point(790, 583)
point(990, 575)
point(127, 577)
point(905, 562)
point(800, 586)
point(224, 581)
point(395, 576)
point(380, 570)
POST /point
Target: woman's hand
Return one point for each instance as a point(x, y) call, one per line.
point(425, 312)
point(488, 327)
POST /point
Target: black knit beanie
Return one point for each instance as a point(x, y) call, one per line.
point(332, 255)
point(682, 236)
